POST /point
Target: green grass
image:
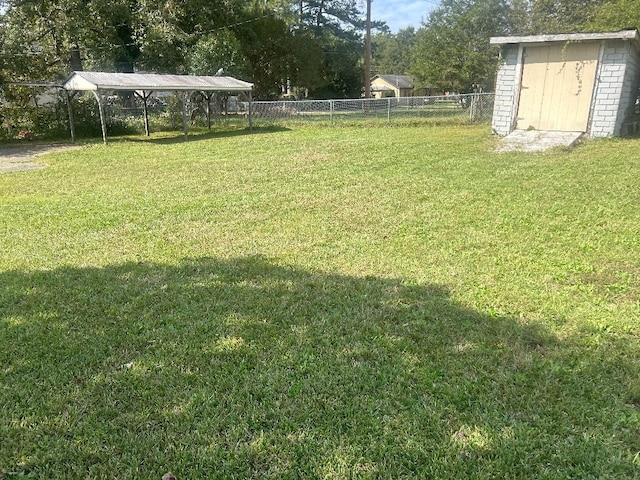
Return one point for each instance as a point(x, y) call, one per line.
point(346, 302)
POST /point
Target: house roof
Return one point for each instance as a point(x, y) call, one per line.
point(381, 88)
point(629, 35)
point(396, 81)
point(153, 81)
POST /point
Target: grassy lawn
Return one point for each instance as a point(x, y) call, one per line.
point(342, 302)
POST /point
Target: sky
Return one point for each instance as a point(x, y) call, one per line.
point(402, 13)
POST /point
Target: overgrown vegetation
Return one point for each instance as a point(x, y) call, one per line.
point(292, 49)
point(321, 302)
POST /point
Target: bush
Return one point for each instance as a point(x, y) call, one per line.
point(20, 112)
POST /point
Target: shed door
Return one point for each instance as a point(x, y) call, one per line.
point(557, 86)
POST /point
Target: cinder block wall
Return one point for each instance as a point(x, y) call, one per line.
point(608, 102)
point(506, 91)
point(630, 87)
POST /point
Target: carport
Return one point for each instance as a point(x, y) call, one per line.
point(145, 84)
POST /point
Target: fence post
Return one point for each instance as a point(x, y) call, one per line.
point(331, 111)
point(389, 109)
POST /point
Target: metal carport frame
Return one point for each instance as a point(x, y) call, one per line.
point(144, 84)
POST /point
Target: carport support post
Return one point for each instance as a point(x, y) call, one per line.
point(72, 126)
point(207, 96)
point(184, 113)
point(103, 122)
point(144, 97)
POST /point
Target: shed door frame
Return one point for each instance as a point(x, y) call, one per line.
point(559, 99)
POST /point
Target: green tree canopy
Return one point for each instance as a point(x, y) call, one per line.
point(336, 26)
point(452, 50)
point(219, 49)
point(391, 53)
point(562, 16)
point(314, 45)
point(616, 15)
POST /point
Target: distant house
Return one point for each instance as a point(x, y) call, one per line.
point(581, 82)
point(383, 86)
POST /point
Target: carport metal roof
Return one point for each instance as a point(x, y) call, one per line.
point(143, 84)
point(94, 81)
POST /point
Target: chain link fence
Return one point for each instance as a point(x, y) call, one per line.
point(234, 110)
point(47, 115)
point(476, 107)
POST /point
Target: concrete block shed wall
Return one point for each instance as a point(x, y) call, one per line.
point(616, 88)
point(507, 86)
point(631, 88)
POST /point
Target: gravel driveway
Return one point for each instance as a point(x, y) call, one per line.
point(13, 159)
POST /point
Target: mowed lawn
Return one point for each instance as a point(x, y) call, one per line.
point(322, 302)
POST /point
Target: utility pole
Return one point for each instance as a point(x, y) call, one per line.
point(367, 54)
point(300, 13)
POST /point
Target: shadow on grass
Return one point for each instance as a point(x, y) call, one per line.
point(244, 368)
point(170, 138)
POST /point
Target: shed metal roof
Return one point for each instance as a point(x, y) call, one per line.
point(629, 35)
point(153, 81)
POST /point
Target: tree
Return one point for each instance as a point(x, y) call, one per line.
point(520, 20)
point(35, 40)
point(332, 14)
point(63, 35)
point(266, 45)
point(174, 32)
point(305, 69)
point(391, 54)
point(452, 49)
point(615, 15)
point(316, 45)
point(562, 16)
point(336, 26)
point(259, 41)
point(219, 49)
point(112, 34)
point(113, 41)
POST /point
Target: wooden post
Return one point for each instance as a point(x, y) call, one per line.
point(103, 122)
point(367, 54)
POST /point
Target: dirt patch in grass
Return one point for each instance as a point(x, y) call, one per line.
point(614, 280)
point(25, 157)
